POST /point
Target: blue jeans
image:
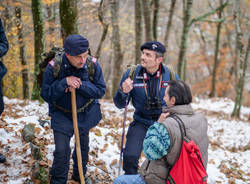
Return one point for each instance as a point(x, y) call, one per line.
point(129, 179)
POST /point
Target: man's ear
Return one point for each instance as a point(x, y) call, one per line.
point(159, 59)
point(172, 100)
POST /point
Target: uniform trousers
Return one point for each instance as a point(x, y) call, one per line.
point(133, 148)
point(60, 166)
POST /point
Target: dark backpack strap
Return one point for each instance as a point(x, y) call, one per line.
point(91, 68)
point(183, 134)
point(132, 69)
point(58, 62)
point(171, 72)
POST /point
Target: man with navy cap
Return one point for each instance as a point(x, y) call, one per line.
point(73, 74)
point(146, 89)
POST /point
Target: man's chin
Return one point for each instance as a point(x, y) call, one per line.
point(143, 64)
point(80, 66)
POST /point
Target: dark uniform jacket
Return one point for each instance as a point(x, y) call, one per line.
point(53, 92)
point(4, 46)
point(138, 94)
point(155, 171)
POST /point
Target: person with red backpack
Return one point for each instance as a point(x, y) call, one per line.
point(163, 145)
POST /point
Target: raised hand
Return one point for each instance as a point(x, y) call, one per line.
point(127, 85)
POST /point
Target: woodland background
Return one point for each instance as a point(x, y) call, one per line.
point(207, 40)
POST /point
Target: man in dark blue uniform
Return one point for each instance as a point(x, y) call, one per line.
point(56, 91)
point(4, 47)
point(146, 90)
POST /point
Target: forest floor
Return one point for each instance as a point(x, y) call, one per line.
point(229, 148)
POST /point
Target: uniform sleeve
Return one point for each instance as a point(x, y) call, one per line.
point(157, 142)
point(95, 89)
point(120, 97)
point(4, 45)
point(52, 89)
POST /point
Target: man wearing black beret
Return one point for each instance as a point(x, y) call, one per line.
point(146, 89)
point(73, 74)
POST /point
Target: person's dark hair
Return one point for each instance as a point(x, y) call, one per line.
point(181, 91)
point(158, 54)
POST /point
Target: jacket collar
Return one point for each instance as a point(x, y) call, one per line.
point(141, 71)
point(181, 109)
point(67, 66)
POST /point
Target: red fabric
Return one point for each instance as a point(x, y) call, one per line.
point(188, 169)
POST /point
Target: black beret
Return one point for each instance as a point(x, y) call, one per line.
point(75, 45)
point(155, 46)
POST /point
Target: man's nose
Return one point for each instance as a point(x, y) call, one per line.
point(142, 56)
point(82, 59)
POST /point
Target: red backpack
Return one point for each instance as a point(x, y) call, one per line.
point(189, 167)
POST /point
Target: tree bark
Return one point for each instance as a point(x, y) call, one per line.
point(138, 31)
point(241, 81)
point(187, 23)
point(51, 10)
point(155, 18)
point(239, 50)
point(23, 57)
point(169, 24)
point(39, 43)
point(216, 52)
point(105, 29)
point(147, 20)
point(68, 18)
point(118, 56)
point(186, 19)
point(237, 43)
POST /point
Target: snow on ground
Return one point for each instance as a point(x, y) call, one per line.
point(229, 149)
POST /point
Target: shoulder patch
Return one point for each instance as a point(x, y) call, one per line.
point(52, 63)
point(94, 59)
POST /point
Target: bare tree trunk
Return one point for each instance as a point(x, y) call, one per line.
point(23, 58)
point(51, 10)
point(216, 51)
point(187, 23)
point(105, 29)
point(186, 19)
point(118, 56)
point(243, 62)
point(238, 32)
point(39, 43)
point(241, 81)
point(155, 18)
point(138, 30)
point(147, 20)
point(68, 17)
point(169, 24)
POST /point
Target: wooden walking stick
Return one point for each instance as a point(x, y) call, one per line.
point(77, 138)
point(123, 134)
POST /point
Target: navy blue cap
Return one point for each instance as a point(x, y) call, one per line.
point(155, 46)
point(75, 45)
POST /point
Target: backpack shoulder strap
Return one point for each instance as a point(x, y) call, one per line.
point(57, 63)
point(132, 69)
point(91, 68)
point(171, 72)
point(181, 125)
point(183, 135)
